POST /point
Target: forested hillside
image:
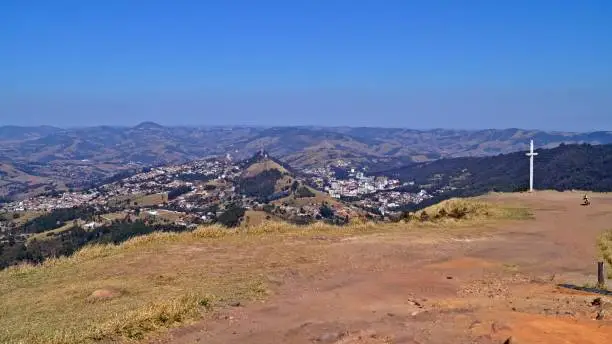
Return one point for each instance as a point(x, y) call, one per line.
point(566, 167)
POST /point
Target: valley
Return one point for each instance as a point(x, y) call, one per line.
point(187, 196)
point(78, 158)
point(241, 193)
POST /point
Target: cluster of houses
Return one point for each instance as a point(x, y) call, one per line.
point(390, 201)
point(191, 189)
point(157, 180)
point(360, 185)
point(48, 203)
point(356, 184)
point(380, 193)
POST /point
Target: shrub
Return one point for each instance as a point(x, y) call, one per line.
point(424, 216)
point(441, 214)
point(176, 192)
point(458, 212)
point(326, 211)
point(232, 216)
point(294, 186)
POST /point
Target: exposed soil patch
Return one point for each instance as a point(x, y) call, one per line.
point(481, 285)
point(104, 294)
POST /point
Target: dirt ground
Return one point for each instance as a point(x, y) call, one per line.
point(477, 285)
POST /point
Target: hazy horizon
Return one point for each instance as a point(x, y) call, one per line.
point(127, 126)
point(436, 64)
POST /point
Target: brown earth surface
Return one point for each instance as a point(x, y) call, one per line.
point(465, 285)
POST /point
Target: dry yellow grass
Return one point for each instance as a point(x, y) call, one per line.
point(113, 216)
point(23, 217)
point(160, 280)
point(141, 200)
point(45, 235)
point(255, 218)
point(458, 210)
point(163, 279)
point(319, 198)
point(604, 243)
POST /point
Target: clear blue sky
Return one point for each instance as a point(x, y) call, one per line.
point(419, 64)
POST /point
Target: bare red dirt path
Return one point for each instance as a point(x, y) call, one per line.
point(458, 286)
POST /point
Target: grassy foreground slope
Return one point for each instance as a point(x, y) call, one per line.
point(151, 283)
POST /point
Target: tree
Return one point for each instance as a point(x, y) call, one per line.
point(176, 192)
point(231, 216)
point(261, 185)
point(303, 192)
point(295, 185)
point(326, 211)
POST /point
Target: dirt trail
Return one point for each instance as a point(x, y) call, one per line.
point(420, 287)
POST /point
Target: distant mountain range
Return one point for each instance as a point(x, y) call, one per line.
point(151, 143)
point(79, 156)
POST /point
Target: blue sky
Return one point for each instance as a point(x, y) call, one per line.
point(419, 64)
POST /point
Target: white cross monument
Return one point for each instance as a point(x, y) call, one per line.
point(531, 154)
